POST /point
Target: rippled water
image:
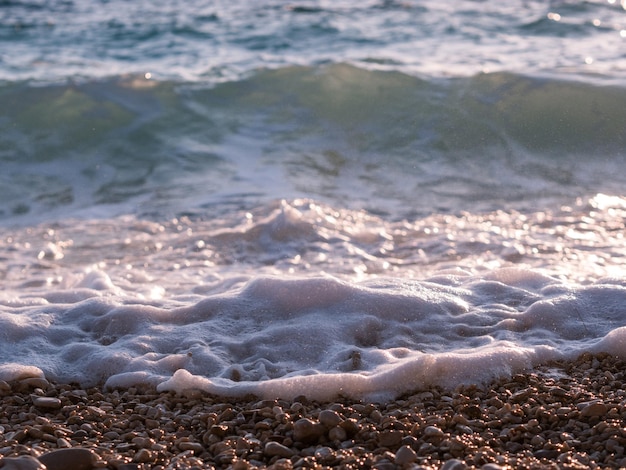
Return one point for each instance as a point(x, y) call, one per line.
point(219, 41)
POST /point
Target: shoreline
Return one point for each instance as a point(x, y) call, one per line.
point(567, 414)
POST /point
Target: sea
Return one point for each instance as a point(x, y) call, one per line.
point(346, 198)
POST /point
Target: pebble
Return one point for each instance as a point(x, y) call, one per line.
point(281, 464)
point(23, 462)
point(143, 456)
point(305, 430)
point(594, 409)
point(273, 449)
point(337, 434)
point(47, 402)
point(325, 454)
point(384, 465)
point(390, 438)
point(193, 446)
point(35, 382)
point(80, 435)
point(75, 458)
point(433, 432)
point(4, 387)
point(63, 443)
point(329, 418)
point(405, 455)
point(454, 464)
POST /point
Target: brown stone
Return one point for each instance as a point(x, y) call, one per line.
point(305, 430)
point(330, 418)
point(47, 402)
point(23, 462)
point(35, 382)
point(337, 434)
point(390, 438)
point(75, 458)
point(405, 455)
point(594, 409)
point(273, 449)
point(143, 456)
point(196, 447)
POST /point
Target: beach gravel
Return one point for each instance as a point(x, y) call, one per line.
point(565, 415)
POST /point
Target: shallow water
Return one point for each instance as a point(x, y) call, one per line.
point(359, 199)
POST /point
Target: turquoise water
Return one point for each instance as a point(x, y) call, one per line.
point(117, 105)
point(382, 141)
point(263, 191)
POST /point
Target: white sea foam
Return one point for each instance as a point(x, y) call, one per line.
point(249, 308)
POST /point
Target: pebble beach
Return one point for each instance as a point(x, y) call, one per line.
point(561, 415)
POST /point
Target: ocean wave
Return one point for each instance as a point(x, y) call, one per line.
point(334, 132)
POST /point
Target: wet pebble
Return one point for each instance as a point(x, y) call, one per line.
point(273, 449)
point(454, 464)
point(329, 418)
point(594, 409)
point(325, 455)
point(4, 387)
point(47, 402)
point(405, 455)
point(143, 456)
point(337, 434)
point(193, 446)
point(35, 382)
point(433, 432)
point(390, 438)
point(75, 458)
point(305, 430)
point(23, 462)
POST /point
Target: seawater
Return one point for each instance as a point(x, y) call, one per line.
point(352, 198)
